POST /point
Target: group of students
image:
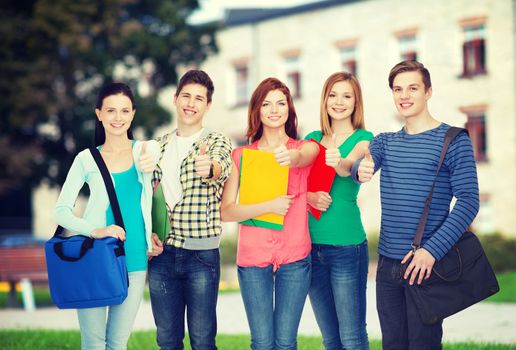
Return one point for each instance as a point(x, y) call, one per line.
point(325, 259)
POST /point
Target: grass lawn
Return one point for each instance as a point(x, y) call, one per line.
point(41, 340)
point(507, 293)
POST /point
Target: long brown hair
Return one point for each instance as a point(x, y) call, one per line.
point(357, 118)
point(254, 123)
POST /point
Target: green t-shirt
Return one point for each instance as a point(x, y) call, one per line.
point(341, 223)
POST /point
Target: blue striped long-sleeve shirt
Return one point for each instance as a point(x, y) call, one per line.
point(408, 164)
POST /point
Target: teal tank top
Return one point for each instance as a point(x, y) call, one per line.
point(129, 192)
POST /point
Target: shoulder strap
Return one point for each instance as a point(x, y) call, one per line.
point(451, 133)
point(109, 186)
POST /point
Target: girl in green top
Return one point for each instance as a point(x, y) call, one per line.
point(339, 245)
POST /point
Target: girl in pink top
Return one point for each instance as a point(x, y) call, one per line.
point(273, 265)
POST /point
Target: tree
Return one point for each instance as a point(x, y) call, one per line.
point(56, 54)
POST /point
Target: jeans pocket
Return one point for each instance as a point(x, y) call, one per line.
point(210, 257)
point(306, 261)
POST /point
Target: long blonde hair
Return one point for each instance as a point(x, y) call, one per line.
point(357, 118)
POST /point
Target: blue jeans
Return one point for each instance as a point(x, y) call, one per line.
point(182, 279)
point(274, 303)
point(338, 294)
point(399, 320)
point(113, 333)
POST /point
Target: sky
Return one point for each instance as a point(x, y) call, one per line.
point(214, 9)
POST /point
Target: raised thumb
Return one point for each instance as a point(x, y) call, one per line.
point(144, 148)
point(367, 155)
point(202, 149)
point(334, 140)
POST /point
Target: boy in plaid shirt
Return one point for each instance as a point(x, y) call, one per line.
point(192, 170)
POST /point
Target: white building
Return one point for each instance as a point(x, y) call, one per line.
point(468, 46)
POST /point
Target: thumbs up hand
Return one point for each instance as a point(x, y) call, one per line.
point(366, 167)
point(202, 162)
point(146, 163)
point(332, 153)
point(282, 155)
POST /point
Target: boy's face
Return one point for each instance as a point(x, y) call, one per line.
point(410, 97)
point(191, 104)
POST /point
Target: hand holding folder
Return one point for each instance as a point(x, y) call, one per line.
point(320, 178)
point(262, 179)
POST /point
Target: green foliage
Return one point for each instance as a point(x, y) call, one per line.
point(500, 251)
point(56, 54)
point(372, 246)
point(34, 339)
point(41, 298)
point(228, 250)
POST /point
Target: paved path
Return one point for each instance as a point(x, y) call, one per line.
point(484, 322)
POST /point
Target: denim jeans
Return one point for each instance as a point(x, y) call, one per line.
point(338, 294)
point(274, 302)
point(399, 320)
point(97, 334)
point(182, 279)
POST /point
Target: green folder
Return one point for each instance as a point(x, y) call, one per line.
point(160, 220)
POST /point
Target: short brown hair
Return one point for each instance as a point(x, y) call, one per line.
point(410, 66)
point(254, 123)
point(195, 76)
point(357, 117)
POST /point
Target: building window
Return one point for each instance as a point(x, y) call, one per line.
point(474, 50)
point(407, 41)
point(408, 50)
point(241, 84)
point(348, 59)
point(293, 76)
point(476, 126)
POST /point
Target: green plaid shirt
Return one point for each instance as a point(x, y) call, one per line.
point(197, 214)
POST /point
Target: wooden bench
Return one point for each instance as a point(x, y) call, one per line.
point(19, 263)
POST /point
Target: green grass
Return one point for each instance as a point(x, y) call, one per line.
point(41, 340)
point(507, 293)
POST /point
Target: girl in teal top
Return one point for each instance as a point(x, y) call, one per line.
point(339, 246)
point(130, 164)
point(129, 191)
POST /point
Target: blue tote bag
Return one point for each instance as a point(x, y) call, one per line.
point(84, 272)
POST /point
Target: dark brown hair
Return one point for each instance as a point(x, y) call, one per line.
point(195, 76)
point(110, 90)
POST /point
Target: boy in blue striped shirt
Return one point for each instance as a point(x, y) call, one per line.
point(408, 159)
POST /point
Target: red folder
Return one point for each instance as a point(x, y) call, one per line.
point(320, 178)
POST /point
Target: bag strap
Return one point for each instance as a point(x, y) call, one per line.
point(451, 133)
point(109, 186)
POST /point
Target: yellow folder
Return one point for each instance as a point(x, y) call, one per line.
point(262, 179)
